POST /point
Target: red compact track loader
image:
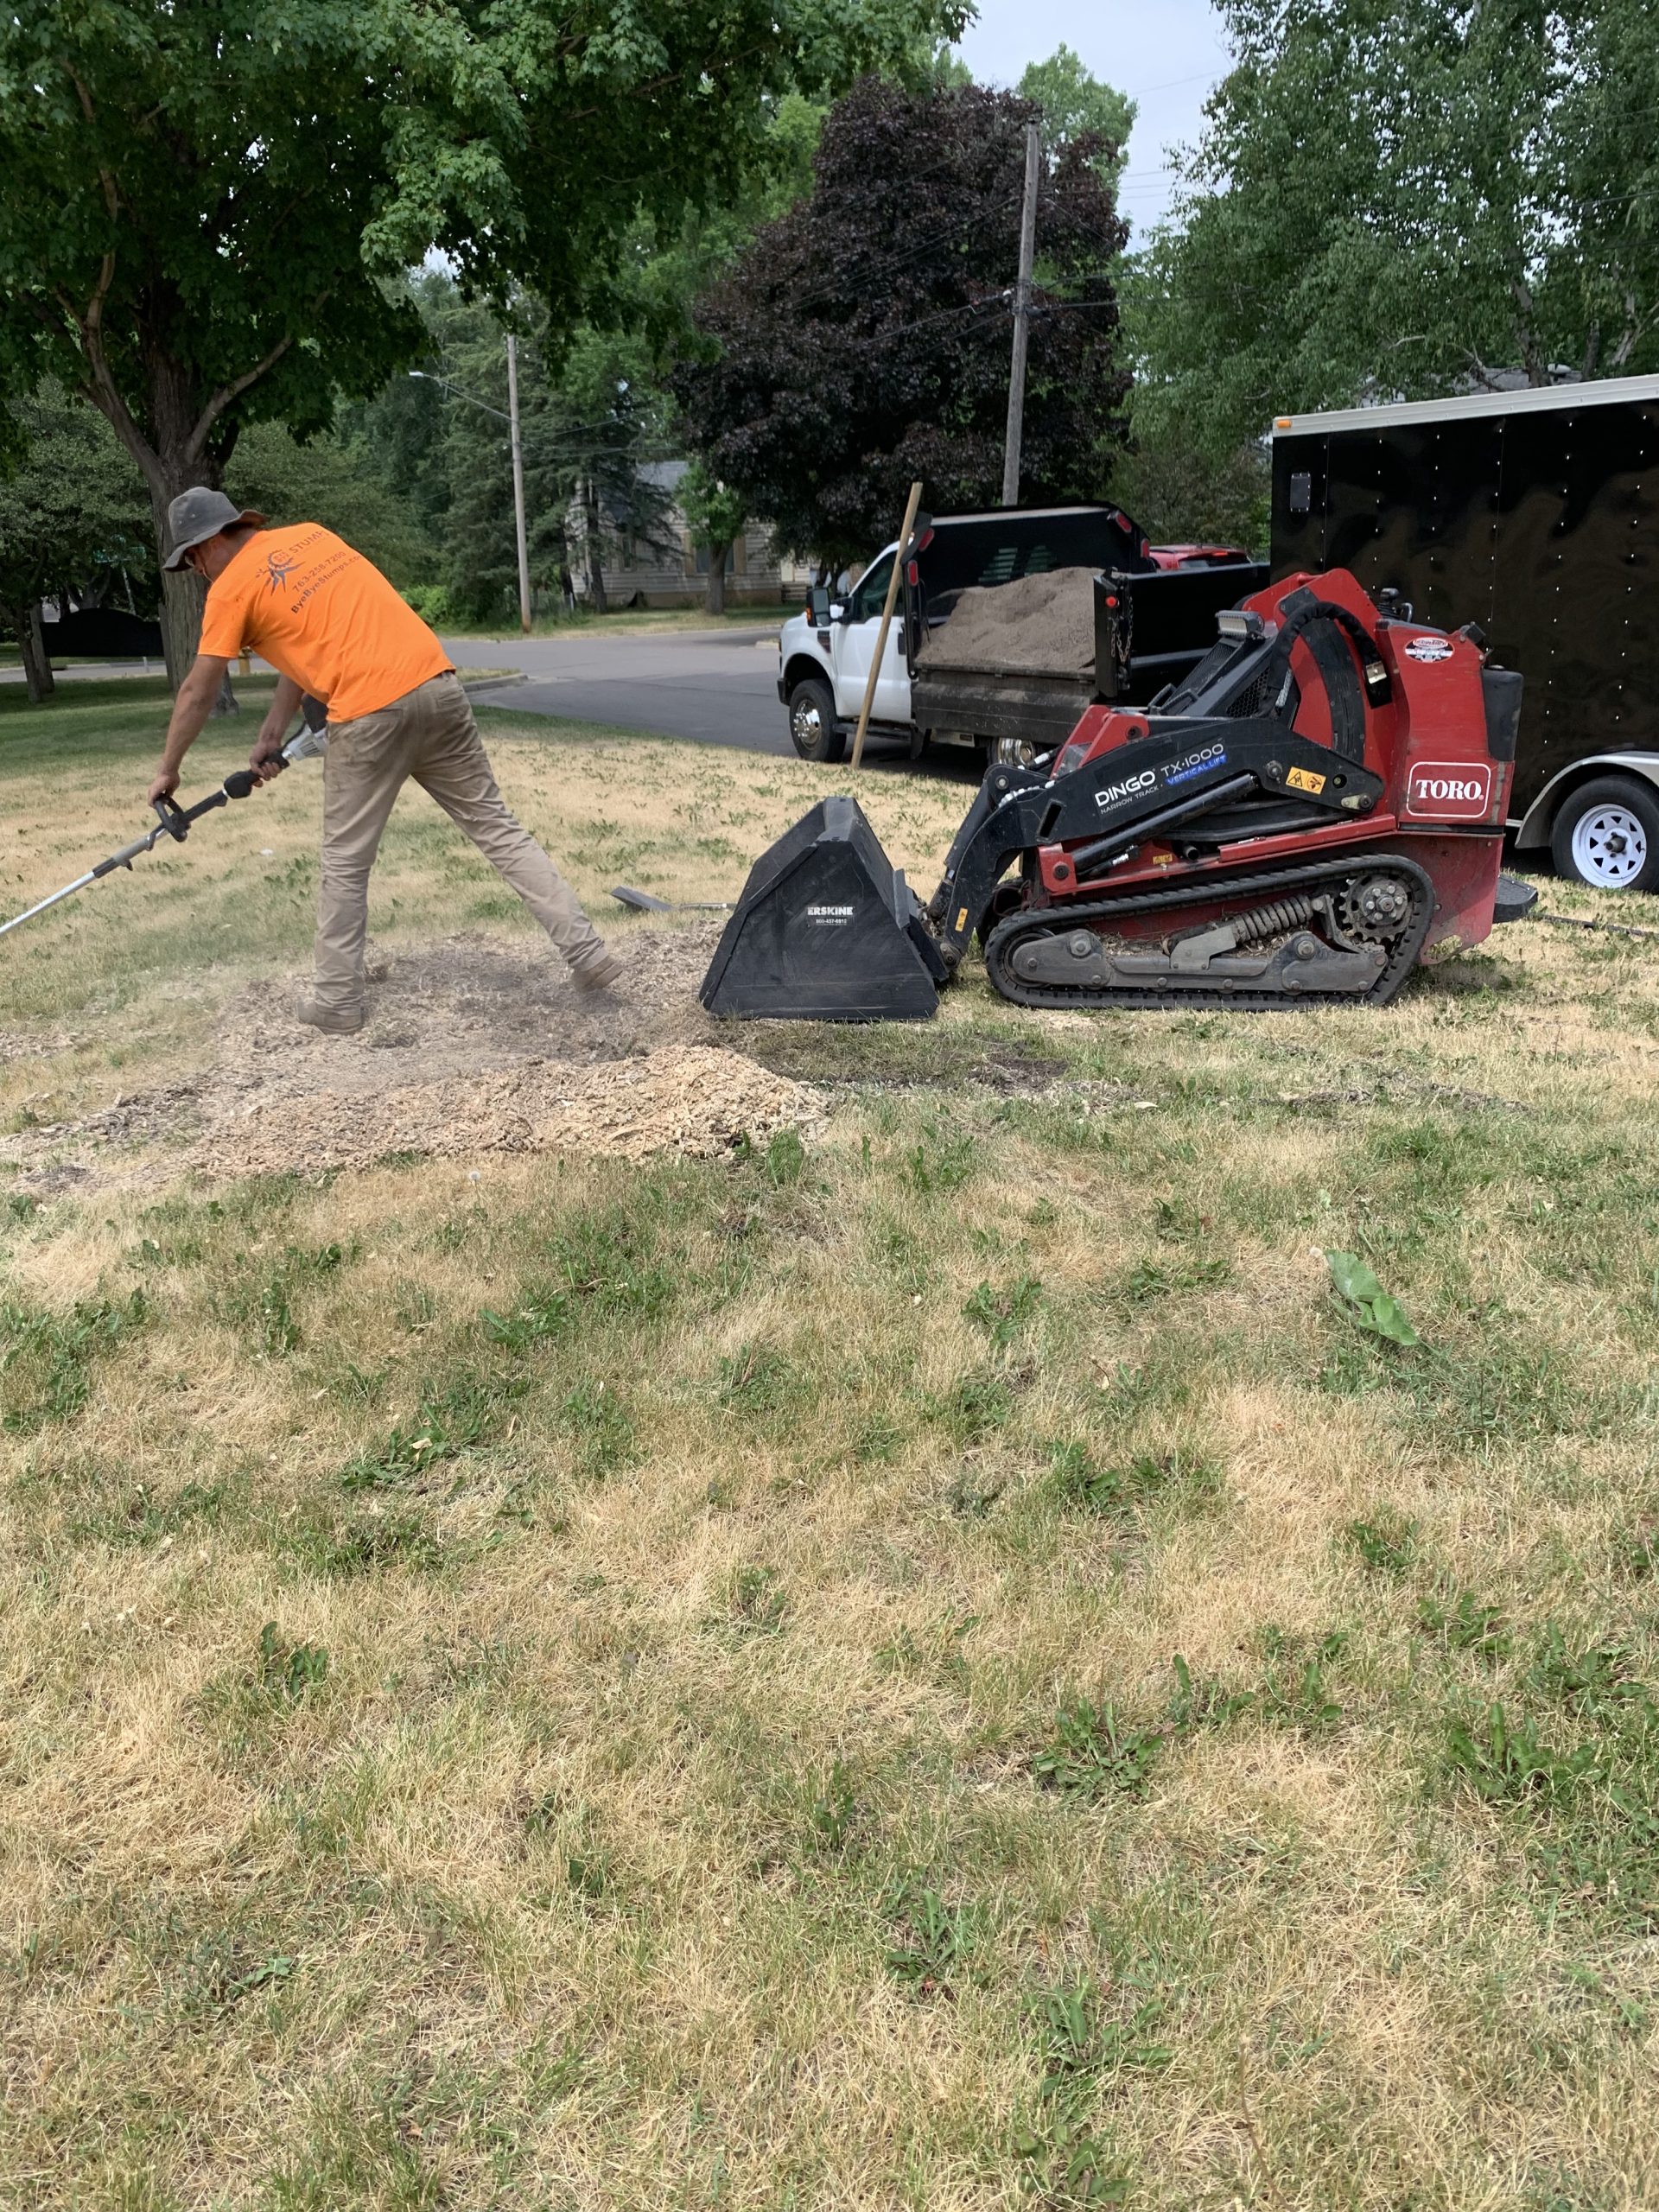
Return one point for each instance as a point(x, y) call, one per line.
point(1319, 804)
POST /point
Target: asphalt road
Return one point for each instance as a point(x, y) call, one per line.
point(716, 687)
point(719, 686)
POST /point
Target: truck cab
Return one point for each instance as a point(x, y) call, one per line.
point(823, 664)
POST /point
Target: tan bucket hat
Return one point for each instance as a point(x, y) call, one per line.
point(198, 514)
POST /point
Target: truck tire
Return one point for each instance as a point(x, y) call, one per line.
point(812, 726)
point(1607, 834)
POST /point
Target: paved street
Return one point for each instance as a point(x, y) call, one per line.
point(717, 686)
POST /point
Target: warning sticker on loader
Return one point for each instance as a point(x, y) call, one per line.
point(1449, 790)
point(1304, 779)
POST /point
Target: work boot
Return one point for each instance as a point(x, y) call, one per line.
point(600, 973)
point(332, 1020)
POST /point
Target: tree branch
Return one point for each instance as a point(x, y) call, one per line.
point(1537, 370)
point(1635, 326)
point(228, 392)
point(111, 197)
point(101, 387)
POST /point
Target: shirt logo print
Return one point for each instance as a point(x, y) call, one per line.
point(279, 570)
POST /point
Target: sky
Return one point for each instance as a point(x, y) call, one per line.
point(1165, 54)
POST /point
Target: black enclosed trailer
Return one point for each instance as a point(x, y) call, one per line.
point(1535, 514)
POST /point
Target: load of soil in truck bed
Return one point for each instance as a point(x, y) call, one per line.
point(1039, 626)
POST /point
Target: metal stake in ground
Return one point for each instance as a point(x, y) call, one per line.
point(898, 560)
point(1021, 324)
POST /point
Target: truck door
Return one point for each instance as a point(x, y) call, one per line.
point(855, 642)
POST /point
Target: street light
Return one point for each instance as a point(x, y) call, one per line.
point(511, 418)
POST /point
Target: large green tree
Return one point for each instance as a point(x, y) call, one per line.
point(73, 515)
point(205, 208)
point(1401, 197)
point(1076, 104)
point(715, 514)
point(331, 479)
point(861, 340)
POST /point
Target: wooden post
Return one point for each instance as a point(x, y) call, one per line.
point(911, 506)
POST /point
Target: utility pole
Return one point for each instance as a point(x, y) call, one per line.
point(519, 483)
point(1021, 321)
point(511, 418)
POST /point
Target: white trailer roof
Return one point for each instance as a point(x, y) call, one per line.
point(1602, 391)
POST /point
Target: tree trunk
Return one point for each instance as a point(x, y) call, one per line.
point(183, 594)
point(593, 551)
point(38, 678)
point(714, 598)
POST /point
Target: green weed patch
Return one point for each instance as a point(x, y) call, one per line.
point(47, 1360)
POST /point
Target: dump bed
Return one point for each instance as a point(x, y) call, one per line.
point(1012, 662)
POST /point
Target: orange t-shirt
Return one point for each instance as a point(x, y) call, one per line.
point(313, 607)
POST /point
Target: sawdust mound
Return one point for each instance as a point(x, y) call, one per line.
point(474, 1044)
point(1037, 626)
point(695, 1100)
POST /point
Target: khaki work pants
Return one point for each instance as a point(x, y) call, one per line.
point(428, 734)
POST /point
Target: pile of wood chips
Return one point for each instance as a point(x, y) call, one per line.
point(693, 1099)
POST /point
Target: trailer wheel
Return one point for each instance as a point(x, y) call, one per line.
point(812, 721)
point(1607, 834)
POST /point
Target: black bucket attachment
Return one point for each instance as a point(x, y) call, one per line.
point(827, 930)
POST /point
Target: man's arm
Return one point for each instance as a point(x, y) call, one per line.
point(190, 711)
point(284, 705)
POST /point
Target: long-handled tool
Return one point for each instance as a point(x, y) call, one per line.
point(175, 820)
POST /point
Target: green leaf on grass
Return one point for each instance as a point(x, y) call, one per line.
point(1368, 1303)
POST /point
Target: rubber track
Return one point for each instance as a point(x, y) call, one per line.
point(1047, 920)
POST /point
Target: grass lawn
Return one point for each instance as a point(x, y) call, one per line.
point(940, 1667)
point(641, 621)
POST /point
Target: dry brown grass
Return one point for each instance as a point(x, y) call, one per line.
point(668, 1822)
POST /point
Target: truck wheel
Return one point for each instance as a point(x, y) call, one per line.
point(1016, 751)
point(812, 721)
point(1607, 834)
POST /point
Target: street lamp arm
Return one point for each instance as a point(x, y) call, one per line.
point(425, 378)
point(510, 417)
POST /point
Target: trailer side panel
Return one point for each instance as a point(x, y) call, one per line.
point(1541, 524)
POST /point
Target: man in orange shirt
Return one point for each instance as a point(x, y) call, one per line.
point(331, 624)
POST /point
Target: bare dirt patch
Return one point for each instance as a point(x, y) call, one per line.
point(471, 1045)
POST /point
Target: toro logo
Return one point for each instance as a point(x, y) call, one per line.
point(1449, 790)
point(1109, 794)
